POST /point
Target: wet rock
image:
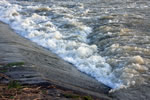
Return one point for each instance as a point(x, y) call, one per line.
point(42, 66)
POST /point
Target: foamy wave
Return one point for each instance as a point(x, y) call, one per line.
point(65, 36)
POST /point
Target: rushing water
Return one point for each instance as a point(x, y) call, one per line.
point(106, 39)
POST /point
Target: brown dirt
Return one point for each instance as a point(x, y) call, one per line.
point(50, 92)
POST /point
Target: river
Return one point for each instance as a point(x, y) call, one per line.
point(106, 39)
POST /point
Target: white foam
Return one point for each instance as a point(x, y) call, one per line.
point(71, 44)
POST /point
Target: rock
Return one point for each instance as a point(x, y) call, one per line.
point(42, 66)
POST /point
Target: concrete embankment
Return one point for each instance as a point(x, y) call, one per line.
point(40, 66)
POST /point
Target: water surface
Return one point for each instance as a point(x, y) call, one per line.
point(108, 40)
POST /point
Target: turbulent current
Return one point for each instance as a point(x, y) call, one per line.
point(106, 39)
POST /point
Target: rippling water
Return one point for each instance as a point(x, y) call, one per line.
point(106, 39)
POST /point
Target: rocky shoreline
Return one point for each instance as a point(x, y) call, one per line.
point(37, 69)
point(31, 64)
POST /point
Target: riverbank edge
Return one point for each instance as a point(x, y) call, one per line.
point(51, 68)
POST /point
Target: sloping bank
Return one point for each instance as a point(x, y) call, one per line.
point(42, 66)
